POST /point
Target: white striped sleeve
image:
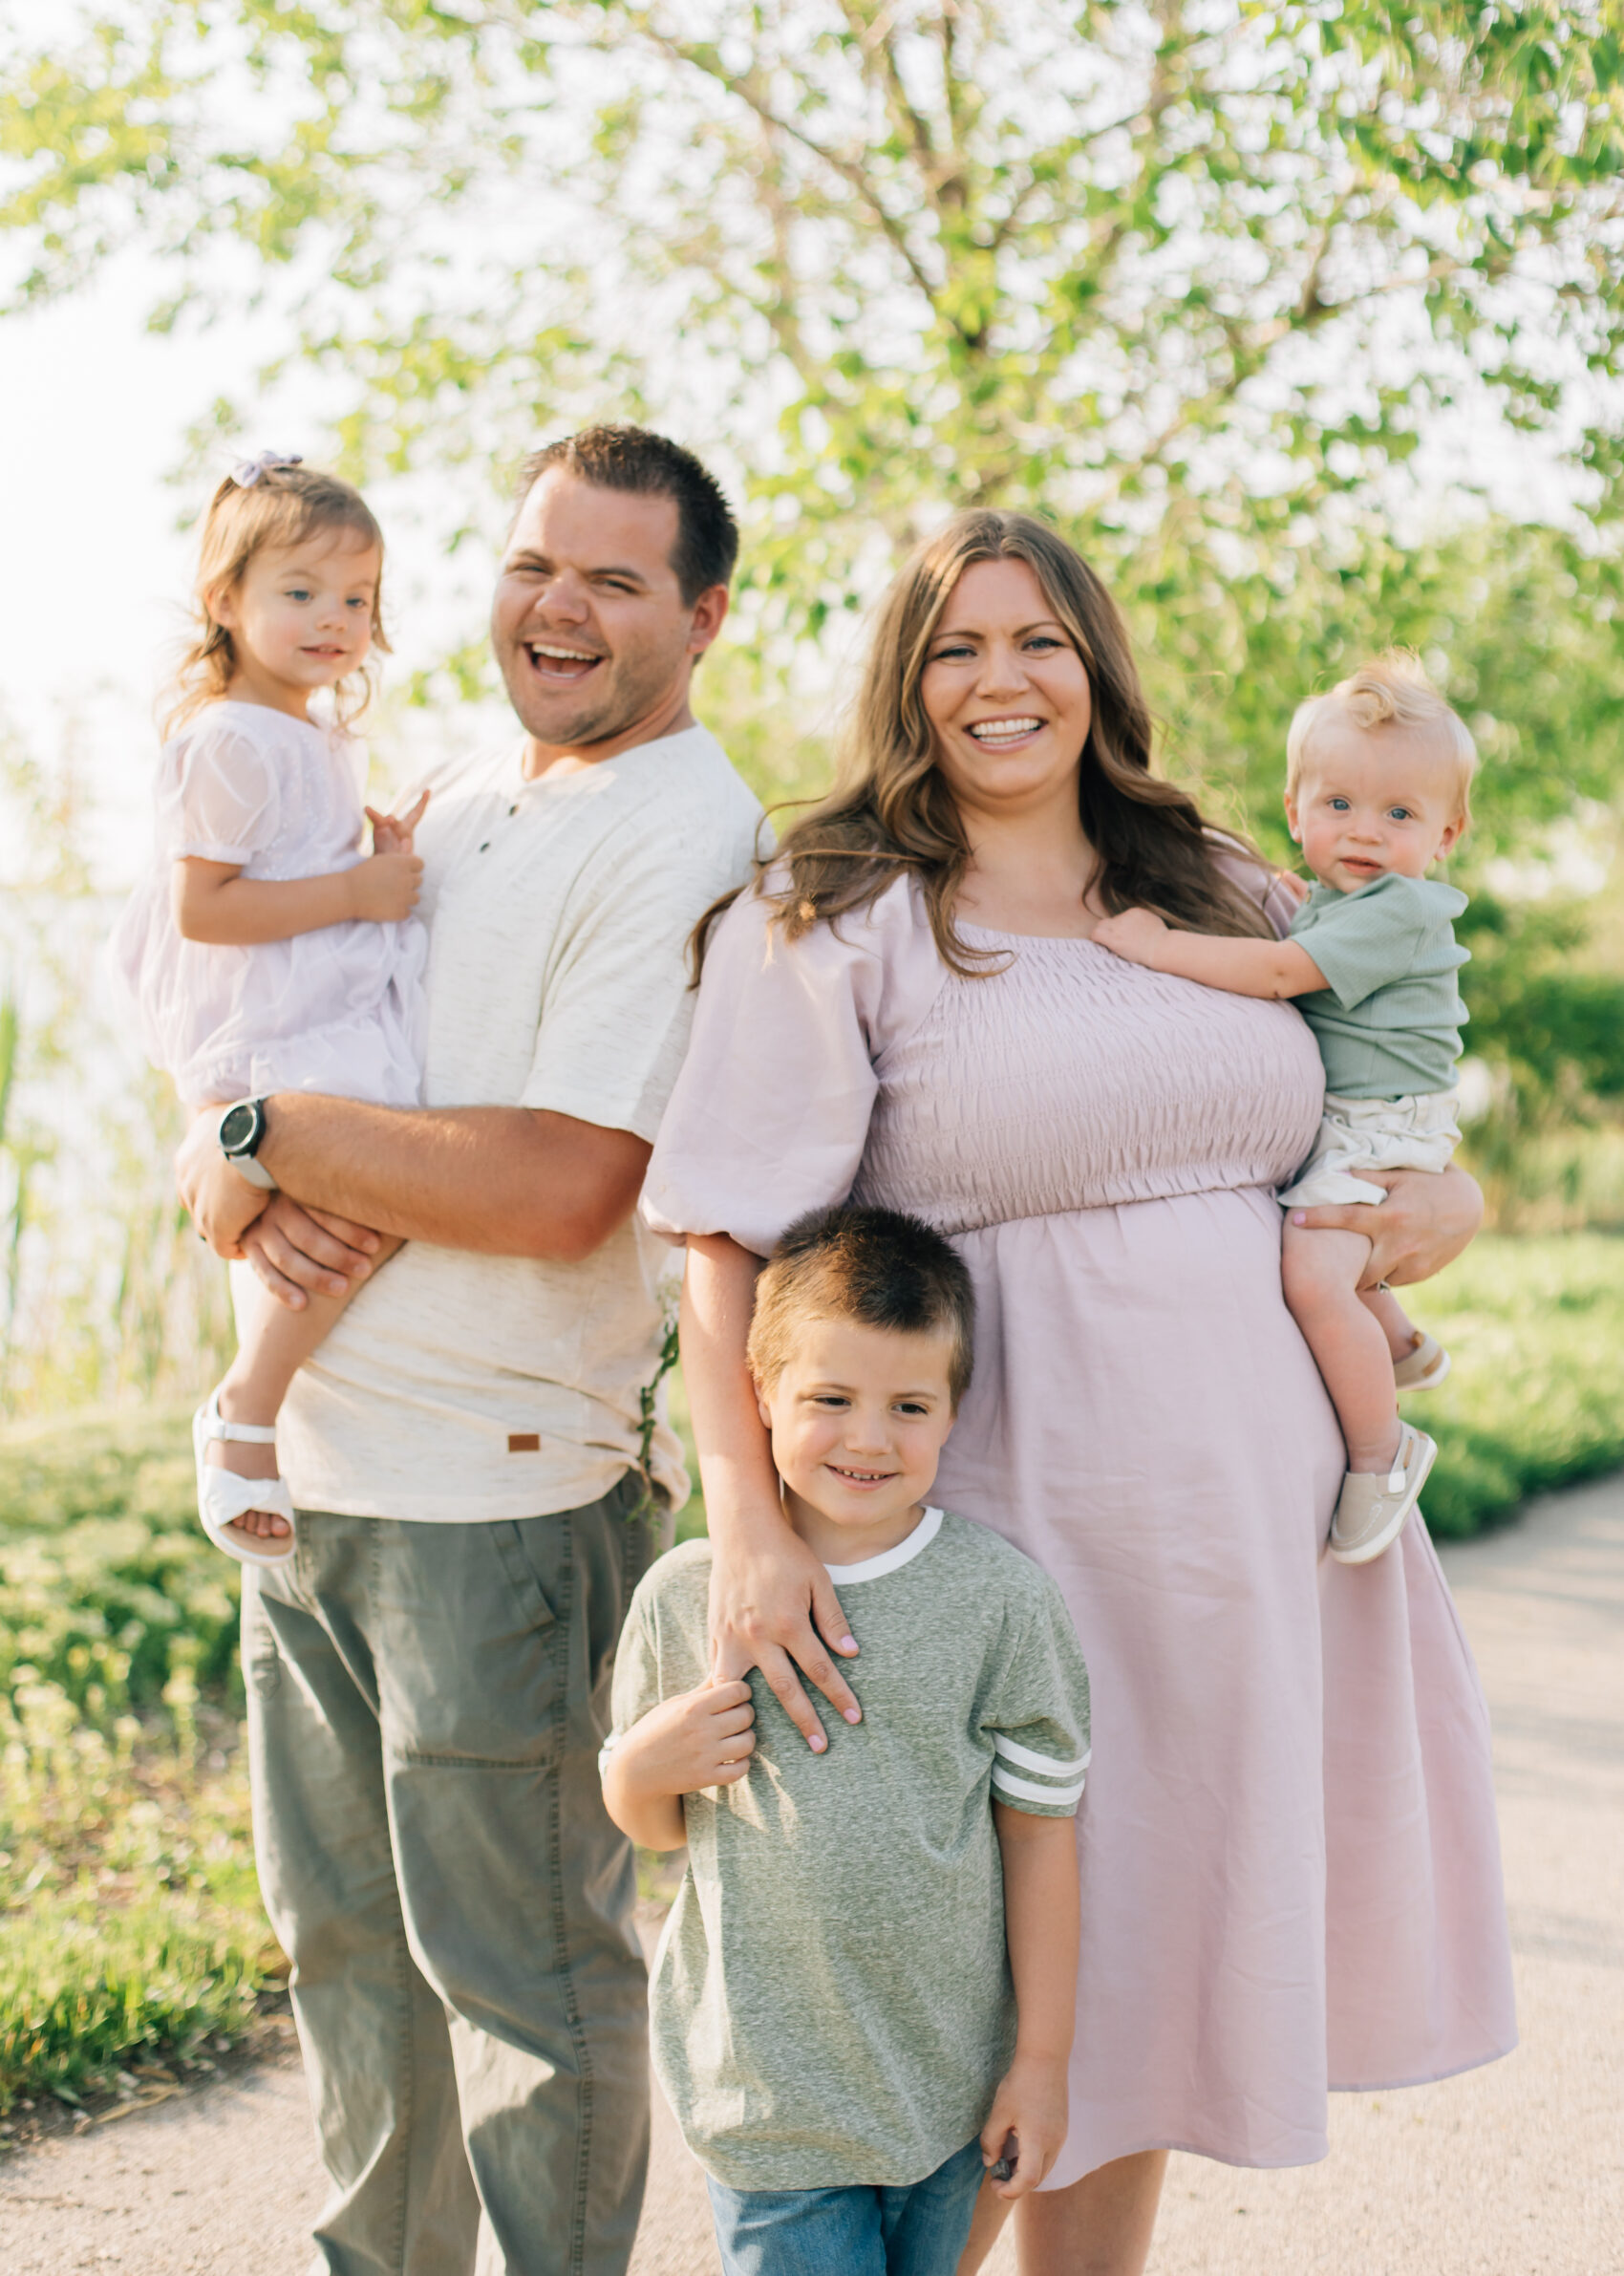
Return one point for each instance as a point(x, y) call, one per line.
point(1037, 1722)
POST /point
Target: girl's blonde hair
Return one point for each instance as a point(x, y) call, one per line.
point(280, 505)
point(891, 812)
point(1392, 690)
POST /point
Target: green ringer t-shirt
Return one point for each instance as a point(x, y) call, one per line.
point(1388, 1020)
point(831, 2000)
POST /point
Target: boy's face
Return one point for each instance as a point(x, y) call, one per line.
point(859, 1417)
point(1372, 801)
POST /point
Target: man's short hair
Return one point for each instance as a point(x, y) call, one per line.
point(652, 467)
point(1391, 689)
point(872, 1265)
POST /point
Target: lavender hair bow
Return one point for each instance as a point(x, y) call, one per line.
point(268, 462)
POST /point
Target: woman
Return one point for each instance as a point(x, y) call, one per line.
point(1289, 1866)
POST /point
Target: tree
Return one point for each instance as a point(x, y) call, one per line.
point(1191, 274)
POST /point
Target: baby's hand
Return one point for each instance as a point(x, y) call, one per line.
point(1135, 935)
point(1031, 2103)
point(385, 889)
point(700, 1738)
point(396, 834)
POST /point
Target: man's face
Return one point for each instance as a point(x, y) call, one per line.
point(588, 624)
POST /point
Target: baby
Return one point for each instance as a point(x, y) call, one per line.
point(1379, 774)
point(865, 1995)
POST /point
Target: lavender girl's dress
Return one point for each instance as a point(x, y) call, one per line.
point(1290, 1873)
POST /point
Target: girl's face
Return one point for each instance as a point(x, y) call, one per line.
point(1372, 801)
point(301, 617)
point(1006, 693)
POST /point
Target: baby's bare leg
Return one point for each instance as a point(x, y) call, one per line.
point(1320, 1271)
point(1399, 1329)
point(275, 1344)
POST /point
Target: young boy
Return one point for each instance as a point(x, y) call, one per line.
point(1379, 775)
point(864, 1994)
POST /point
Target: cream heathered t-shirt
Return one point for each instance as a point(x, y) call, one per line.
point(459, 1387)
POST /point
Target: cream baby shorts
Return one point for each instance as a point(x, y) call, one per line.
point(1419, 1133)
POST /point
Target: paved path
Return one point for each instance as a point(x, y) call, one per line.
point(1513, 2171)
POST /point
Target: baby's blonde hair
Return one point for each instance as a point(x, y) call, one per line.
point(281, 504)
point(1391, 689)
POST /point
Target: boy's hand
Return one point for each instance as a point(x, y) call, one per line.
point(384, 890)
point(1136, 936)
point(1031, 2103)
point(700, 1738)
point(396, 834)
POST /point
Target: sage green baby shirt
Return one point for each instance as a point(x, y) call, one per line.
point(831, 1999)
point(1388, 1019)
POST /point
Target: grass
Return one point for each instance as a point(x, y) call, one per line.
point(130, 1933)
point(1536, 1398)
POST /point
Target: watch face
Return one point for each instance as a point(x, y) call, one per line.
point(237, 1127)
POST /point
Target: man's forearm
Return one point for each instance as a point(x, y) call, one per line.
point(508, 1181)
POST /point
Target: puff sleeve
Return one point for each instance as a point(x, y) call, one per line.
point(770, 1114)
point(218, 802)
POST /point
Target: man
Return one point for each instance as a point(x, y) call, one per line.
point(428, 1682)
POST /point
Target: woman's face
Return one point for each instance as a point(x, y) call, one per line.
point(1005, 691)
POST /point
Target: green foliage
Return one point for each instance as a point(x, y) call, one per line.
point(1536, 1397)
point(130, 1923)
point(108, 1587)
point(1145, 265)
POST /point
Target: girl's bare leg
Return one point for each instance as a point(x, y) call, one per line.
point(1320, 1271)
point(275, 1344)
point(1099, 2227)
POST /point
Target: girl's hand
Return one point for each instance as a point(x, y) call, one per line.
point(1136, 936)
point(1031, 2103)
point(385, 889)
point(396, 834)
point(772, 1608)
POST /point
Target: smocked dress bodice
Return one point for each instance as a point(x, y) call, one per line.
point(1069, 1080)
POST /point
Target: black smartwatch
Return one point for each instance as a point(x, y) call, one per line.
point(241, 1133)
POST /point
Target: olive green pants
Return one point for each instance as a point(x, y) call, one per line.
point(425, 1708)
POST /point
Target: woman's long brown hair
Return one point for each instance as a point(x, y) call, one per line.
point(890, 809)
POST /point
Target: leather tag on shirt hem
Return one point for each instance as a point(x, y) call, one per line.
point(524, 1442)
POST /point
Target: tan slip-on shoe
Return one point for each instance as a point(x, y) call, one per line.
point(1373, 1505)
point(1422, 1368)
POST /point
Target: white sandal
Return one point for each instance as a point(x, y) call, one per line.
point(222, 1496)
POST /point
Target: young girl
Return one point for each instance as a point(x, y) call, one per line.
point(1378, 778)
point(266, 951)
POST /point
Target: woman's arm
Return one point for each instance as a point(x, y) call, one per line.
point(1427, 1219)
point(1270, 968)
point(771, 1601)
point(1041, 1927)
point(215, 903)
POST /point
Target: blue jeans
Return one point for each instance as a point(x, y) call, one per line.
point(917, 2231)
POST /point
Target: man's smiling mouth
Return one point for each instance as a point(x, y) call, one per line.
point(553, 662)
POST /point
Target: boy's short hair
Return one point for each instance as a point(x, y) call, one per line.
point(1392, 687)
point(872, 1265)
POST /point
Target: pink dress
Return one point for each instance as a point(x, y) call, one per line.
point(1291, 1870)
point(341, 1010)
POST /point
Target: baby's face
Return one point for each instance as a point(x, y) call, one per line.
point(859, 1417)
point(1371, 801)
